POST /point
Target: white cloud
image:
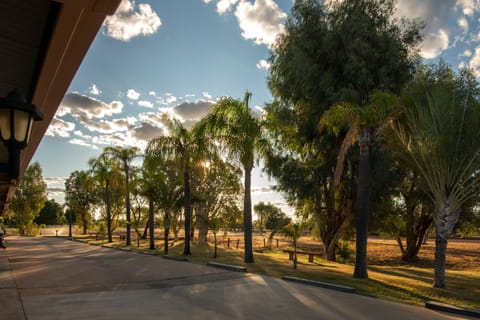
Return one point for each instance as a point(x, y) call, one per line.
point(206, 95)
point(463, 23)
point(132, 94)
point(225, 5)
point(263, 64)
point(466, 53)
point(116, 125)
point(261, 21)
point(60, 128)
point(192, 111)
point(83, 107)
point(152, 93)
point(434, 44)
point(55, 186)
point(207, 1)
point(167, 100)
point(145, 104)
point(475, 62)
point(94, 90)
point(83, 143)
point(468, 7)
point(129, 22)
point(153, 118)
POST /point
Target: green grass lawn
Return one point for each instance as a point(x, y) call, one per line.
point(400, 283)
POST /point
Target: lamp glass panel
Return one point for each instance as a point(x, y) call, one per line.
point(21, 125)
point(5, 123)
point(30, 123)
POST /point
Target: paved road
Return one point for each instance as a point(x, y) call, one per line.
point(53, 278)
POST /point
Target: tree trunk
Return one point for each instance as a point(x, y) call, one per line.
point(127, 205)
point(215, 244)
point(415, 238)
point(84, 222)
point(202, 223)
point(188, 210)
point(109, 213)
point(145, 230)
point(152, 229)
point(294, 253)
point(247, 217)
point(166, 226)
point(361, 221)
point(70, 224)
point(440, 253)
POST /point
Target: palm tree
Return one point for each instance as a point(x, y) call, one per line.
point(105, 171)
point(439, 137)
point(292, 230)
point(232, 124)
point(361, 121)
point(125, 157)
point(180, 147)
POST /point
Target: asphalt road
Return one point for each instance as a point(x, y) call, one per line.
point(54, 278)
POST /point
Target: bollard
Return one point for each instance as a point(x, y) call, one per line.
point(277, 242)
point(228, 243)
point(238, 242)
point(264, 242)
point(56, 233)
point(138, 241)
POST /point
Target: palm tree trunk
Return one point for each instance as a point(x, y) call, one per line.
point(151, 225)
point(109, 213)
point(188, 210)
point(247, 217)
point(440, 252)
point(127, 205)
point(361, 220)
point(166, 227)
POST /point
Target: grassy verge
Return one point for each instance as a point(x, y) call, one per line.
point(400, 283)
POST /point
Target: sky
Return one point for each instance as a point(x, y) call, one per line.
point(180, 56)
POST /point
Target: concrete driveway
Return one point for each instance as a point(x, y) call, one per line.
point(54, 278)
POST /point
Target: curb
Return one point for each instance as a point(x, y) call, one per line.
point(227, 266)
point(321, 284)
point(147, 253)
point(434, 305)
point(174, 258)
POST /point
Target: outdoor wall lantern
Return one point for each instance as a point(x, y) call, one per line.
point(16, 119)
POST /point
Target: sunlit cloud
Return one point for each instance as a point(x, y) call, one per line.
point(145, 104)
point(129, 22)
point(83, 143)
point(475, 62)
point(94, 90)
point(434, 44)
point(260, 21)
point(224, 6)
point(263, 64)
point(132, 94)
point(83, 107)
point(60, 128)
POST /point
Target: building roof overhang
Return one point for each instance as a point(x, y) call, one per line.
point(42, 44)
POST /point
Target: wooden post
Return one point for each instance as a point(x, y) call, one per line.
point(264, 243)
point(238, 242)
point(277, 243)
point(228, 243)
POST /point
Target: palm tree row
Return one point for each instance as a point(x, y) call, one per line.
point(432, 129)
